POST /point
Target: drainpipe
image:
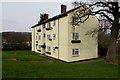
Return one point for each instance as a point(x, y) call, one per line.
point(58, 39)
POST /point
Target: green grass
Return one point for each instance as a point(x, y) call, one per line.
point(55, 69)
point(23, 56)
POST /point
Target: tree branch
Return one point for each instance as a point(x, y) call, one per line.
point(103, 3)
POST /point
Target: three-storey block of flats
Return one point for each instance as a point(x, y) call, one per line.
point(58, 38)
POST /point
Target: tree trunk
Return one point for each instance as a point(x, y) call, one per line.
point(111, 53)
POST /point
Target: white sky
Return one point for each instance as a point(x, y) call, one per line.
point(20, 16)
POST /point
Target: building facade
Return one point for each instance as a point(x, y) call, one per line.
point(58, 38)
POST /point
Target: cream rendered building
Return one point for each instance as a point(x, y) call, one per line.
point(56, 37)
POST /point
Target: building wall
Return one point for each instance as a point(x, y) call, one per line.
point(63, 38)
point(33, 39)
point(88, 48)
point(53, 42)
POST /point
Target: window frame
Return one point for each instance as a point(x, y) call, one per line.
point(75, 36)
point(74, 51)
point(53, 49)
point(54, 36)
point(74, 20)
point(54, 22)
point(40, 47)
point(48, 48)
point(48, 25)
point(39, 37)
point(48, 36)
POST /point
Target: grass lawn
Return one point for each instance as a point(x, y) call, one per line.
point(26, 65)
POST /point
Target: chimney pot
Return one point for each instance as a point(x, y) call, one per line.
point(63, 8)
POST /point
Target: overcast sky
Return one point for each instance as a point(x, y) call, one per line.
point(20, 16)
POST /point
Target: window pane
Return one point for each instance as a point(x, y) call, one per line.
point(54, 23)
point(73, 52)
point(54, 36)
point(75, 36)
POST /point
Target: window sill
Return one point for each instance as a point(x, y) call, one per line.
point(49, 28)
point(36, 41)
point(48, 53)
point(75, 55)
point(75, 41)
point(39, 30)
point(39, 50)
point(43, 46)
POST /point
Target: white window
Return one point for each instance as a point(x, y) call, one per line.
point(54, 23)
point(36, 36)
point(53, 49)
point(75, 20)
point(54, 36)
point(48, 48)
point(75, 36)
point(75, 52)
point(40, 47)
point(48, 25)
point(37, 46)
point(39, 37)
point(38, 28)
point(48, 37)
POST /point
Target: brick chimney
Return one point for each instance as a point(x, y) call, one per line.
point(46, 16)
point(63, 8)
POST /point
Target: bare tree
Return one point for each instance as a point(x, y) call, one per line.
point(41, 18)
point(110, 10)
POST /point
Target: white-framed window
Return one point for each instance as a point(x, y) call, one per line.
point(38, 28)
point(74, 20)
point(53, 49)
point(36, 36)
point(48, 48)
point(75, 36)
point(40, 47)
point(54, 36)
point(54, 22)
point(75, 52)
point(48, 37)
point(39, 37)
point(48, 25)
point(37, 46)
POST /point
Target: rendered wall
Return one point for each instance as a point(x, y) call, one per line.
point(88, 48)
point(63, 38)
point(33, 39)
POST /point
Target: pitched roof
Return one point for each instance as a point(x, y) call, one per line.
point(56, 17)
